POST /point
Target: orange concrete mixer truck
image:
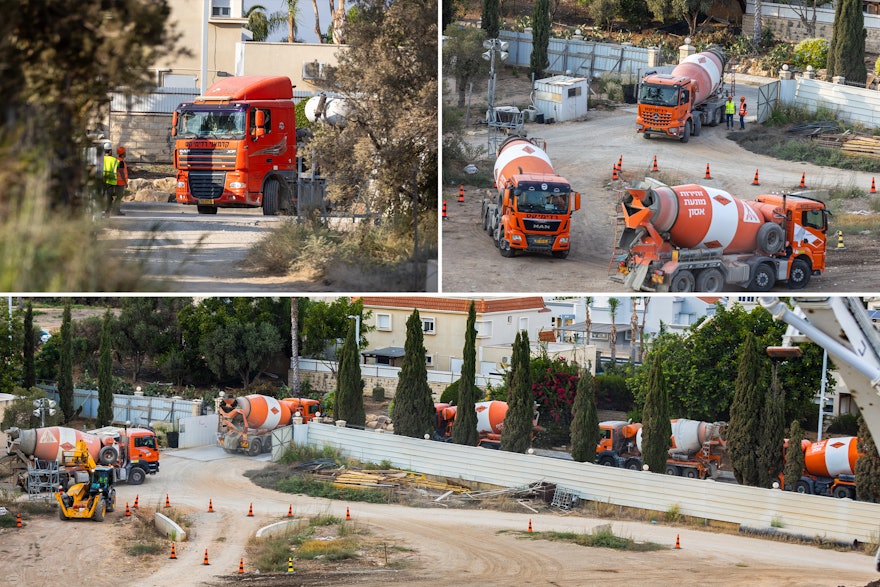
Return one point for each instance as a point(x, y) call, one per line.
point(680, 103)
point(829, 467)
point(133, 452)
point(490, 422)
point(246, 422)
point(695, 238)
point(532, 209)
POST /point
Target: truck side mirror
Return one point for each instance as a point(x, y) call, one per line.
point(174, 124)
point(577, 201)
point(260, 123)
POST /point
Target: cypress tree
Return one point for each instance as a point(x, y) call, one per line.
point(490, 18)
point(413, 408)
point(867, 467)
point(540, 38)
point(29, 375)
point(772, 441)
point(846, 52)
point(465, 429)
point(794, 457)
point(350, 387)
point(656, 427)
point(65, 367)
point(105, 375)
point(516, 436)
point(584, 420)
point(744, 428)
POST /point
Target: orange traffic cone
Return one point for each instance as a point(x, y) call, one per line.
point(347, 514)
point(677, 542)
point(444, 209)
point(755, 181)
point(173, 552)
point(803, 178)
point(127, 511)
point(614, 175)
point(241, 566)
point(135, 504)
point(530, 524)
point(654, 166)
point(461, 194)
point(205, 562)
point(251, 511)
point(290, 511)
point(210, 506)
point(18, 520)
point(708, 175)
point(167, 501)
point(873, 187)
point(620, 163)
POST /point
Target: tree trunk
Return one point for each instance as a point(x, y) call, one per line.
point(294, 348)
point(317, 20)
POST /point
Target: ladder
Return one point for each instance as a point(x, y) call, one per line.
point(564, 498)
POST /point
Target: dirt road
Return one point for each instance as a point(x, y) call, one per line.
point(443, 546)
point(584, 153)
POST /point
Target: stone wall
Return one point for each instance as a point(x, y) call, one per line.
point(146, 136)
point(327, 381)
point(793, 31)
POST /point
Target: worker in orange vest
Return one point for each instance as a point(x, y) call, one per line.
point(743, 111)
point(121, 181)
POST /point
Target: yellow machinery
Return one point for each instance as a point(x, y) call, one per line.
point(90, 499)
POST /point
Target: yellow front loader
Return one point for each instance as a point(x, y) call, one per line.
point(91, 499)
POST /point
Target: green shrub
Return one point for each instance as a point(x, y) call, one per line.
point(450, 394)
point(777, 56)
point(811, 52)
point(845, 424)
point(378, 394)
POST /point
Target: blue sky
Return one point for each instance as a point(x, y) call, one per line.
point(305, 30)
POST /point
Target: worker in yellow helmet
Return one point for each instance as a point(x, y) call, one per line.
point(729, 110)
point(111, 167)
point(743, 111)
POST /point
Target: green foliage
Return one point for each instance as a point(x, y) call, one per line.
point(780, 54)
point(378, 393)
point(656, 427)
point(321, 324)
point(491, 17)
point(143, 329)
point(812, 52)
point(744, 428)
point(350, 387)
point(539, 59)
point(11, 342)
point(65, 367)
point(771, 441)
point(634, 13)
point(599, 537)
point(554, 385)
point(846, 52)
point(20, 413)
point(463, 56)
point(846, 424)
point(29, 373)
point(603, 12)
point(867, 467)
point(465, 429)
point(105, 373)
point(517, 432)
point(314, 488)
point(450, 394)
point(613, 393)
point(413, 408)
point(585, 420)
point(741, 46)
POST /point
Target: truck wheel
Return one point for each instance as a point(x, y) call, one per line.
point(561, 254)
point(255, 447)
point(682, 281)
point(206, 209)
point(687, 132)
point(718, 117)
point(770, 238)
point(802, 487)
point(504, 247)
point(111, 500)
point(763, 279)
point(841, 491)
point(100, 510)
point(270, 197)
point(673, 470)
point(646, 135)
point(633, 465)
point(799, 276)
point(606, 461)
point(698, 123)
point(691, 473)
point(710, 280)
point(108, 455)
point(136, 476)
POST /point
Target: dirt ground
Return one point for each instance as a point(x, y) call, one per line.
point(584, 152)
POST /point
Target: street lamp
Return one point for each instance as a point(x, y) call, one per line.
point(357, 329)
point(793, 352)
point(44, 405)
point(492, 47)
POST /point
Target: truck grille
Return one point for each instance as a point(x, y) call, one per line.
point(540, 243)
point(207, 184)
point(540, 225)
point(657, 118)
point(207, 159)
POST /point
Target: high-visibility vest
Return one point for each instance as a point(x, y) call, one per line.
point(121, 173)
point(730, 107)
point(111, 164)
point(742, 109)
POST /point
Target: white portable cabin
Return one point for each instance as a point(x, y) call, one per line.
point(561, 97)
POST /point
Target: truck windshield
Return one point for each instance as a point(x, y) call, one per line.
point(211, 124)
point(552, 200)
point(658, 95)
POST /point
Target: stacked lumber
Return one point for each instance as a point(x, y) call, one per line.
point(862, 145)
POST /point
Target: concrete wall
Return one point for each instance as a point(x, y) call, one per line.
point(787, 512)
point(146, 136)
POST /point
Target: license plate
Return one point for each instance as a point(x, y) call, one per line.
point(542, 241)
point(206, 202)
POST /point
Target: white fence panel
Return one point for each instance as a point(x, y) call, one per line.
point(281, 439)
point(835, 519)
point(139, 410)
point(849, 103)
point(198, 431)
point(434, 376)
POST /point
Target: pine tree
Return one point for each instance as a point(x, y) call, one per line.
point(105, 375)
point(350, 387)
point(490, 18)
point(744, 427)
point(516, 436)
point(65, 367)
point(794, 457)
point(770, 449)
point(584, 420)
point(29, 371)
point(413, 411)
point(867, 467)
point(656, 427)
point(540, 38)
point(465, 429)
point(846, 52)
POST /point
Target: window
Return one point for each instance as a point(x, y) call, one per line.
point(429, 360)
point(221, 8)
point(574, 92)
point(383, 321)
point(428, 326)
point(484, 328)
point(524, 323)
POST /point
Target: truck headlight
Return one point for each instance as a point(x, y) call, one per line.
point(181, 184)
point(563, 240)
point(237, 185)
point(516, 238)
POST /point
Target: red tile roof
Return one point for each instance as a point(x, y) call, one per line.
point(482, 305)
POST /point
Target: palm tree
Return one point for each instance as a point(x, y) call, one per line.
point(634, 328)
point(286, 17)
point(613, 303)
point(258, 22)
point(588, 323)
point(317, 20)
point(294, 347)
point(645, 301)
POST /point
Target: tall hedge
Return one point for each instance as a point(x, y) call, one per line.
point(413, 409)
point(584, 420)
point(465, 429)
point(516, 436)
point(745, 421)
point(350, 386)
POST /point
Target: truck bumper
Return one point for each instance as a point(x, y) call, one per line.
point(539, 243)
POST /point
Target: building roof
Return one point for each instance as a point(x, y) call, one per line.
point(392, 352)
point(460, 305)
point(595, 327)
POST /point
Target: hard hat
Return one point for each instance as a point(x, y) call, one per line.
point(741, 99)
point(120, 150)
point(108, 146)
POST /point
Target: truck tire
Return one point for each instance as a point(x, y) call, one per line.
point(802, 487)
point(710, 280)
point(270, 197)
point(842, 491)
point(770, 238)
point(100, 510)
point(111, 500)
point(136, 476)
point(718, 117)
point(682, 281)
point(108, 455)
point(647, 135)
point(255, 447)
point(698, 123)
point(633, 464)
point(560, 254)
point(606, 461)
point(673, 470)
point(504, 248)
point(763, 279)
point(206, 209)
point(690, 472)
point(61, 513)
point(687, 132)
point(799, 276)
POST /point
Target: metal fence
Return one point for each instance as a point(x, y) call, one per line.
point(137, 409)
point(375, 370)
